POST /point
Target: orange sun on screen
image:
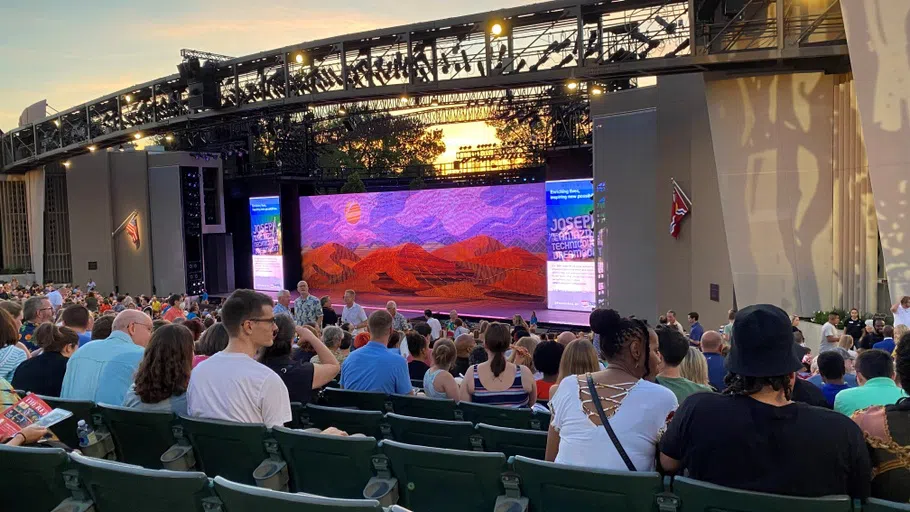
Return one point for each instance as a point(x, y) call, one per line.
point(352, 212)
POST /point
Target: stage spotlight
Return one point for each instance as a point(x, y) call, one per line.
point(596, 91)
point(92, 148)
point(57, 123)
point(434, 103)
point(572, 85)
point(169, 138)
point(66, 164)
point(137, 135)
point(342, 110)
point(128, 98)
point(403, 100)
point(496, 29)
point(298, 58)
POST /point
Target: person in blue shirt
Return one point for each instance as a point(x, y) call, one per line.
point(102, 371)
point(711, 346)
point(886, 344)
point(695, 329)
point(78, 318)
point(832, 368)
point(373, 367)
point(282, 304)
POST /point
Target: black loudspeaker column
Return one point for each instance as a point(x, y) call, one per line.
point(192, 230)
point(219, 263)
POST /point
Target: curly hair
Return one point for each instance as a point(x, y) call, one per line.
point(745, 386)
point(616, 332)
point(165, 368)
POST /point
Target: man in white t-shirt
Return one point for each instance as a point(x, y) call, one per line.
point(353, 313)
point(231, 385)
point(829, 334)
point(673, 322)
point(901, 311)
point(435, 326)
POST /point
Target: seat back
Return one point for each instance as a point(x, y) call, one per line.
point(352, 421)
point(424, 407)
point(541, 420)
point(296, 409)
point(66, 429)
point(231, 450)
point(550, 486)
point(496, 415)
point(118, 486)
point(32, 478)
point(417, 383)
point(877, 505)
point(363, 400)
point(513, 441)
point(333, 466)
point(245, 498)
point(696, 496)
point(141, 436)
point(455, 435)
point(444, 480)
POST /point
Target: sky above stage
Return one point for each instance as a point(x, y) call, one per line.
point(71, 52)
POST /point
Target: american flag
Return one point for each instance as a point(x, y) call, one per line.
point(678, 210)
point(132, 229)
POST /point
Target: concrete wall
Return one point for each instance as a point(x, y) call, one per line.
point(129, 192)
point(88, 190)
point(772, 138)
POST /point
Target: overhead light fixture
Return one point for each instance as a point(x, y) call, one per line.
point(299, 58)
point(66, 164)
point(496, 29)
point(596, 91)
point(57, 123)
point(92, 148)
point(403, 100)
point(137, 135)
point(572, 85)
point(169, 138)
point(342, 110)
point(434, 103)
point(128, 98)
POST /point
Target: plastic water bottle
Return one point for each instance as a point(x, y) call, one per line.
point(86, 434)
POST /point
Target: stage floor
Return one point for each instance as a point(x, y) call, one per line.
point(412, 307)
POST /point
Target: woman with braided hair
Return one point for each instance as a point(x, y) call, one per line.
point(610, 419)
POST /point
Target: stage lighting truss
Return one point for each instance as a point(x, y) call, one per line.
point(545, 43)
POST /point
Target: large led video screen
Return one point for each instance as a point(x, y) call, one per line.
point(486, 244)
point(570, 247)
point(265, 228)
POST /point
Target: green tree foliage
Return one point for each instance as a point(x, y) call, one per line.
point(353, 185)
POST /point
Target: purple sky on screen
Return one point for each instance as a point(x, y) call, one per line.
point(515, 215)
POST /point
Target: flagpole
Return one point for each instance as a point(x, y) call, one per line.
point(125, 222)
point(680, 190)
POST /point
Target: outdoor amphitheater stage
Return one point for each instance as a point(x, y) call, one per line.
point(413, 307)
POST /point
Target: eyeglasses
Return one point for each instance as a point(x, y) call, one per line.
point(149, 327)
point(46, 309)
point(272, 320)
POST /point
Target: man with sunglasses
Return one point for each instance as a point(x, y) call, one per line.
point(231, 385)
point(102, 371)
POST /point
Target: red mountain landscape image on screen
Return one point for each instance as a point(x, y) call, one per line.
point(481, 243)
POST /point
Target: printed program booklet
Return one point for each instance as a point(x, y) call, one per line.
point(27, 411)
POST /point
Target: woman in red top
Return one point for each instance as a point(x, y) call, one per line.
point(547, 356)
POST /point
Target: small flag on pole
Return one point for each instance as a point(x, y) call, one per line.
point(679, 209)
point(132, 229)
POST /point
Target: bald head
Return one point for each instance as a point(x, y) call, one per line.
point(136, 324)
point(711, 341)
point(565, 337)
point(464, 343)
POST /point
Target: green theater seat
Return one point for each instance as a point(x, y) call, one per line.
point(513, 441)
point(66, 429)
point(231, 450)
point(876, 505)
point(363, 400)
point(455, 435)
point(114, 486)
point(32, 478)
point(557, 487)
point(441, 480)
point(496, 415)
point(424, 407)
point(141, 436)
point(352, 421)
point(696, 496)
point(328, 465)
point(245, 498)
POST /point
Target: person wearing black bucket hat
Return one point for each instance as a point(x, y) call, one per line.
point(753, 436)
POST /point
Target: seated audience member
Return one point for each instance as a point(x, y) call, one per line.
point(873, 335)
point(674, 347)
point(79, 319)
point(464, 344)
point(394, 345)
point(766, 436)
point(497, 381)
point(875, 376)
point(15, 310)
point(437, 381)
point(483, 330)
point(832, 369)
point(458, 328)
point(849, 376)
point(102, 371)
point(213, 340)
point(800, 340)
point(420, 352)
point(887, 343)
point(362, 339)
point(195, 327)
point(523, 353)
point(28, 435)
point(712, 344)
point(577, 359)
point(35, 311)
point(373, 367)
point(164, 373)
point(231, 385)
point(547, 357)
point(11, 356)
point(301, 378)
point(43, 374)
point(426, 331)
point(695, 367)
point(566, 337)
point(635, 408)
point(333, 338)
point(478, 355)
point(887, 430)
point(846, 342)
point(102, 327)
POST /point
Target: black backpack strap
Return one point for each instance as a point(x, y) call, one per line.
point(606, 423)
